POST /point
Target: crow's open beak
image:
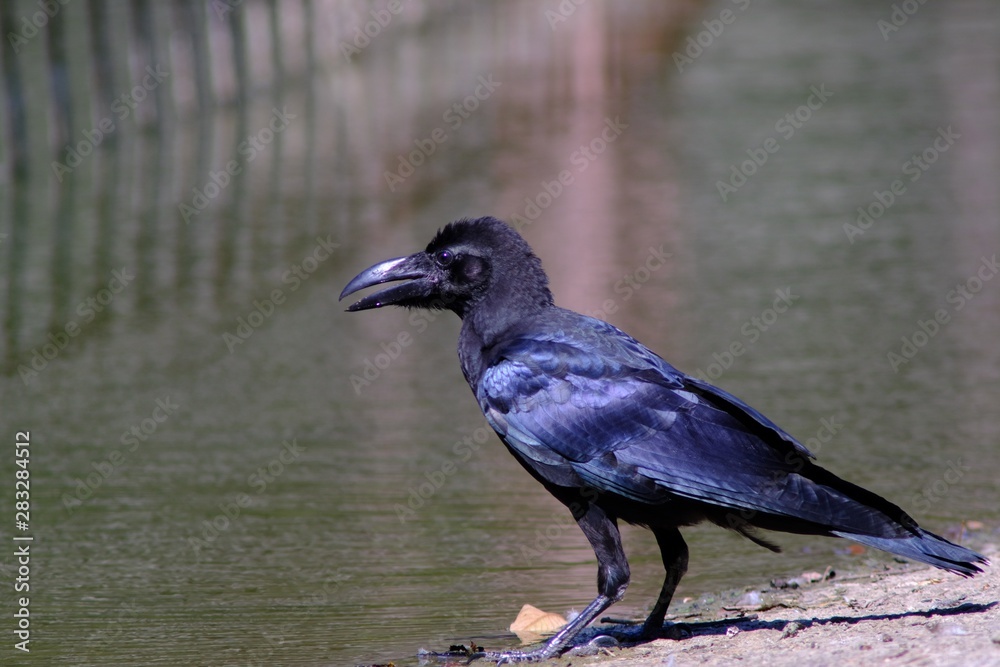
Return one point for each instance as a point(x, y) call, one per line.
point(416, 269)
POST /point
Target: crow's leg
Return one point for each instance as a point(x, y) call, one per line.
point(674, 552)
point(612, 580)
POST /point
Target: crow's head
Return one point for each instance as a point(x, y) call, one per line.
point(468, 262)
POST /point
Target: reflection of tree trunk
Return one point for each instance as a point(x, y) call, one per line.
point(13, 249)
point(108, 212)
point(59, 83)
point(270, 233)
point(153, 151)
point(147, 58)
point(356, 115)
point(972, 88)
point(193, 19)
point(972, 84)
point(13, 219)
point(102, 59)
point(16, 135)
point(228, 227)
point(65, 208)
point(615, 209)
point(64, 215)
point(310, 214)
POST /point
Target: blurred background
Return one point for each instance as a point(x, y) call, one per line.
point(796, 201)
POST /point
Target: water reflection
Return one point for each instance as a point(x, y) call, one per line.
point(265, 142)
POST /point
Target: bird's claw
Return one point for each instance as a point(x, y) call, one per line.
point(599, 644)
point(497, 657)
point(513, 657)
point(593, 647)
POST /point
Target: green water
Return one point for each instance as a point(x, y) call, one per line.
point(216, 480)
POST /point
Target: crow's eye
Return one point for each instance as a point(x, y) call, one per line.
point(444, 258)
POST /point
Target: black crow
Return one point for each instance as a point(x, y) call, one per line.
point(615, 432)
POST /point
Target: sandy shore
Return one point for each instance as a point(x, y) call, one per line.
point(905, 615)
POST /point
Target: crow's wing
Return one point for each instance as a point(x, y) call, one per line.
point(618, 418)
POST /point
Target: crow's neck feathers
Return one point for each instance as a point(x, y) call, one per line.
point(516, 290)
point(517, 287)
point(515, 293)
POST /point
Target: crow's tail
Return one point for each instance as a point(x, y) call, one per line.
point(927, 548)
